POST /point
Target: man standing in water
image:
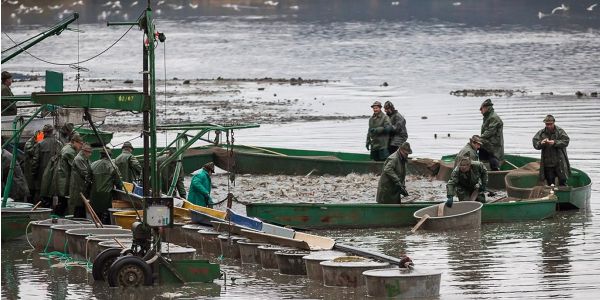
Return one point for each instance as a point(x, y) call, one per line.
point(469, 150)
point(392, 183)
point(467, 180)
point(553, 142)
point(201, 185)
point(398, 135)
point(378, 136)
point(10, 106)
point(492, 138)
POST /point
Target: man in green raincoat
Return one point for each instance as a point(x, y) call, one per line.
point(42, 154)
point(392, 183)
point(468, 178)
point(105, 179)
point(398, 133)
point(492, 136)
point(553, 141)
point(27, 167)
point(469, 150)
point(10, 106)
point(168, 173)
point(81, 181)
point(378, 136)
point(62, 175)
point(201, 185)
point(129, 167)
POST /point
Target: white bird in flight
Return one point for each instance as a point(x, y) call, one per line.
point(456, 3)
point(542, 15)
point(591, 7)
point(193, 6)
point(55, 7)
point(395, 3)
point(561, 7)
point(133, 4)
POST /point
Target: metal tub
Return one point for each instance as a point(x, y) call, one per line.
point(76, 238)
point(40, 231)
point(59, 234)
point(462, 215)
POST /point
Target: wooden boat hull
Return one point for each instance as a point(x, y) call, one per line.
point(281, 161)
point(369, 215)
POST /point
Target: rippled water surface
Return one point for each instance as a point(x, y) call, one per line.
point(422, 61)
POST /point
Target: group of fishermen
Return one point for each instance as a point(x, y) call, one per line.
point(469, 178)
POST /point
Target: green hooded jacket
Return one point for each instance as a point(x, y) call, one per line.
point(200, 189)
point(380, 137)
point(553, 155)
point(42, 153)
point(105, 179)
point(62, 176)
point(81, 181)
point(129, 167)
point(463, 185)
point(393, 176)
point(491, 135)
point(398, 135)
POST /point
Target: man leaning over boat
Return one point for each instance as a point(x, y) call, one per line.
point(468, 181)
point(392, 185)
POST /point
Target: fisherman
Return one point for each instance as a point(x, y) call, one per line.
point(553, 142)
point(27, 164)
point(398, 135)
point(468, 179)
point(10, 106)
point(81, 181)
point(168, 173)
point(129, 167)
point(392, 183)
point(62, 175)
point(469, 150)
point(66, 132)
point(492, 138)
point(105, 179)
point(201, 185)
point(19, 190)
point(42, 153)
point(378, 136)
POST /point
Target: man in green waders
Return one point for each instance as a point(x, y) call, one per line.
point(105, 179)
point(201, 185)
point(392, 184)
point(81, 182)
point(62, 175)
point(129, 167)
point(468, 178)
point(378, 136)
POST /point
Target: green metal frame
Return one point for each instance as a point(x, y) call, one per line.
point(130, 100)
point(54, 30)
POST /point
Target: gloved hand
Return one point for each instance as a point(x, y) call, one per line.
point(449, 201)
point(387, 129)
point(482, 188)
point(402, 189)
point(372, 130)
point(368, 145)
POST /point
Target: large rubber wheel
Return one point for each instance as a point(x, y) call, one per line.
point(129, 271)
point(103, 261)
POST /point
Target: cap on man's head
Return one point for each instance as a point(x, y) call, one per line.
point(209, 167)
point(388, 105)
point(127, 145)
point(487, 102)
point(6, 75)
point(475, 139)
point(549, 119)
point(48, 128)
point(76, 138)
point(406, 147)
point(376, 103)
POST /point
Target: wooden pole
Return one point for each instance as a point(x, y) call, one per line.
point(423, 219)
point(36, 206)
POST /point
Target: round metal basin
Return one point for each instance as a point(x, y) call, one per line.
point(40, 231)
point(401, 283)
point(462, 215)
point(77, 242)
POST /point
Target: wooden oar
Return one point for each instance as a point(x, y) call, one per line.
point(440, 209)
point(36, 206)
point(423, 219)
point(511, 164)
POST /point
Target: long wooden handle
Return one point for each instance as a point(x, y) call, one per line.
point(423, 219)
point(511, 164)
point(36, 206)
point(265, 150)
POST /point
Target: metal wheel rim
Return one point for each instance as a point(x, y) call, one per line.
point(131, 275)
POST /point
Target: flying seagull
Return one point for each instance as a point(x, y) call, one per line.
point(561, 7)
point(592, 7)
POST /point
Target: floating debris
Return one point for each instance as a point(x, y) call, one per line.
point(486, 92)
